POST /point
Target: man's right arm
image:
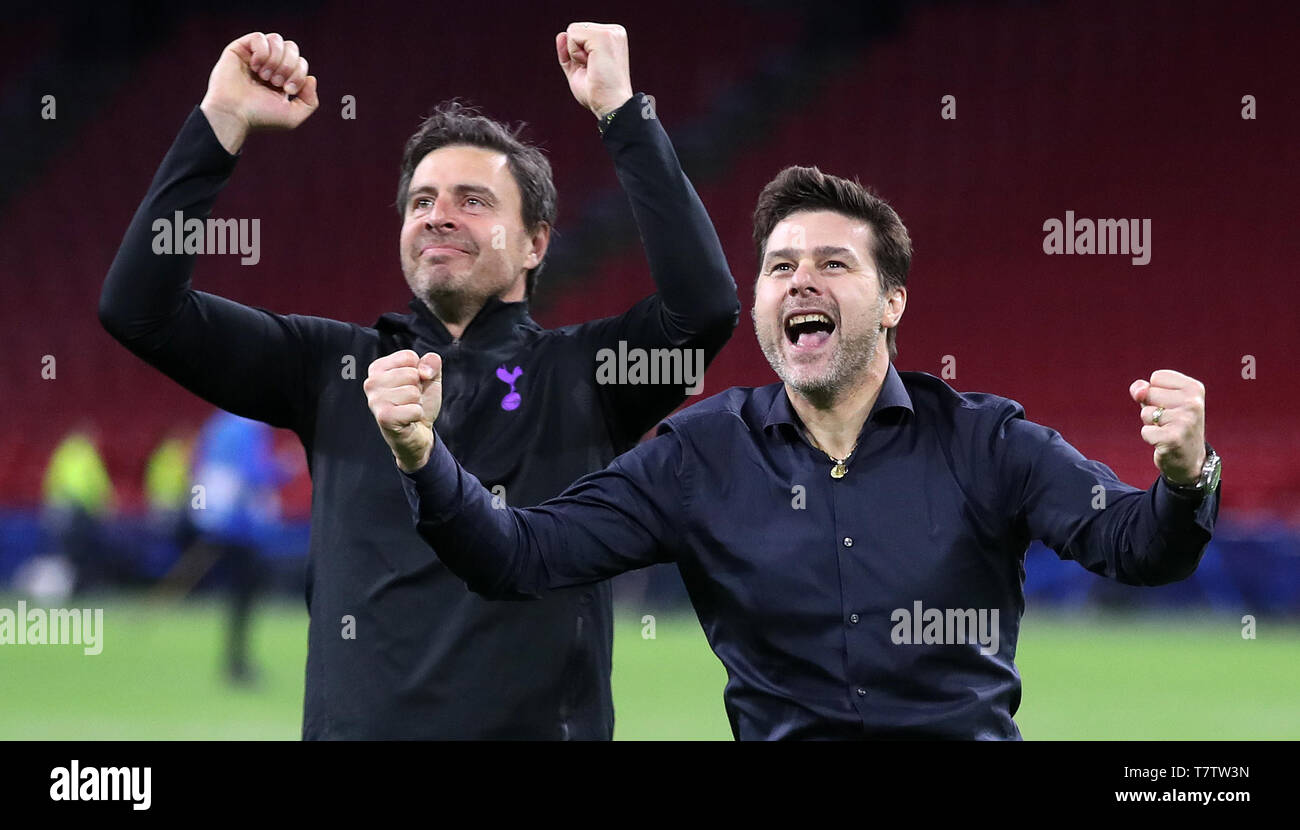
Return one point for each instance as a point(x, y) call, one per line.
point(615, 520)
point(624, 517)
point(248, 361)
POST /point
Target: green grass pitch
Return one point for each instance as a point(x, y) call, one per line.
point(1085, 677)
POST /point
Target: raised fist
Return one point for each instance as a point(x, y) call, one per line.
point(404, 392)
point(594, 59)
point(1173, 418)
point(260, 82)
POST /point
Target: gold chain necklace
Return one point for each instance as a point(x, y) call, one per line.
point(839, 469)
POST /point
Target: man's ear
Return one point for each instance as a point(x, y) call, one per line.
point(538, 241)
point(894, 307)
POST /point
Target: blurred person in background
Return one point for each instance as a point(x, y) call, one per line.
point(234, 511)
point(78, 499)
point(167, 490)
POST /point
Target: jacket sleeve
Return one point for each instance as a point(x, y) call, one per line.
point(695, 306)
point(248, 361)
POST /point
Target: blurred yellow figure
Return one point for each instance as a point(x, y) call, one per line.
point(77, 477)
point(78, 497)
point(167, 476)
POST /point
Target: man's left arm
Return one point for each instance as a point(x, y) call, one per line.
point(696, 305)
point(1082, 511)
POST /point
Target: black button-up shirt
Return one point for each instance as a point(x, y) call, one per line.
point(885, 603)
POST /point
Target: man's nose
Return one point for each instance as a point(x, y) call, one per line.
point(803, 282)
point(440, 217)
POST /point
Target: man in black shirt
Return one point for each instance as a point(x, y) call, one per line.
point(397, 647)
point(853, 537)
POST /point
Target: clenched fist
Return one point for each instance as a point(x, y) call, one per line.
point(404, 392)
point(1173, 412)
point(594, 59)
point(260, 82)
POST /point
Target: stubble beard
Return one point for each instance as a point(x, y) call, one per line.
point(850, 361)
point(449, 298)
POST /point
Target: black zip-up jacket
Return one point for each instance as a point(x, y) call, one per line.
point(426, 658)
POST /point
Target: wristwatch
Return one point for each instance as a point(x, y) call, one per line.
point(603, 123)
point(1209, 480)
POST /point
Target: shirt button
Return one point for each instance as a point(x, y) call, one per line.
point(848, 541)
point(853, 618)
point(862, 692)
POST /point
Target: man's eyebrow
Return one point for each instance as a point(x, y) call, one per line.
point(784, 253)
point(481, 189)
point(834, 250)
point(460, 189)
point(819, 252)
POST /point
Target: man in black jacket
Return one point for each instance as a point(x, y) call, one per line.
point(397, 647)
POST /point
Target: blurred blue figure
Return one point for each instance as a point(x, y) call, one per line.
point(235, 508)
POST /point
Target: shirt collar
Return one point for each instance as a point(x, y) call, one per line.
point(494, 321)
point(893, 396)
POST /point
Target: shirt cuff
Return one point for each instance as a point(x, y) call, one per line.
point(199, 131)
point(627, 117)
point(1178, 510)
point(433, 490)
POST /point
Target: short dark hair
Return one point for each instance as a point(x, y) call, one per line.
point(453, 123)
point(807, 188)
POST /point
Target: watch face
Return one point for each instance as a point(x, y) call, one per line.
point(1213, 483)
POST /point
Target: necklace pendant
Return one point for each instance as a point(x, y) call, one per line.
point(838, 471)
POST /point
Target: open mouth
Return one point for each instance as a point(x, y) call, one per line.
point(808, 330)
